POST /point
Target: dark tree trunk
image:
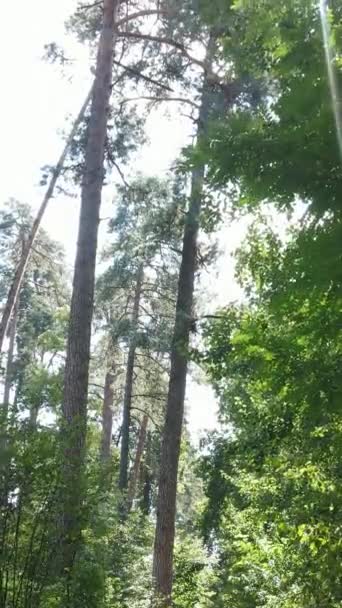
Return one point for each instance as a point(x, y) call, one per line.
point(167, 490)
point(74, 421)
point(147, 477)
point(107, 418)
point(126, 421)
point(27, 249)
point(137, 462)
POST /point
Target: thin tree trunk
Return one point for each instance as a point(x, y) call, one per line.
point(126, 421)
point(107, 418)
point(9, 365)
point(147, 477)
point(5, 407)
point(137, 462)
point(34, 411)
point(74, 422)
point(27, 249)
point(167, 490)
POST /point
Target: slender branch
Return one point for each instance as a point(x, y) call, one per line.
point(175, 250)
point(178, 45)
point(115, 164)
point(160, 294)
point(142, 76)
point(89, 6)
point(47, 257)
point(142, 13)
point(210, 317)
point(161, 99)
point(160, 396)
point(138, 409)
point(146, 356)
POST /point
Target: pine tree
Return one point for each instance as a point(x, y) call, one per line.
point(78, 350)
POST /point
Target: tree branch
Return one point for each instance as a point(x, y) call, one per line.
point(115, 164)
point(177, 45)
point(162, 367)
point(138, 409)
point(142, 76)
point(160, 396)
point(142, 13)
point(161, 99)
point(89, 6)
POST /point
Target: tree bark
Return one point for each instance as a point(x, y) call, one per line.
point(147, 478)
point(5, 407)
point(107, 418)
point(137, 462)
point(170, 450)
point(75, 396)
point(27, 249)
point(9, 365)
point(126, 421)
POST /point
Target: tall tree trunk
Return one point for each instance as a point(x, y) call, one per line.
point(137, 462)
point(147, 477)
point(170, 450)
point(126, 421)
point(74, 422)
point(9, 365)
point(107, 418)
point(5, 408)
point(27, 249)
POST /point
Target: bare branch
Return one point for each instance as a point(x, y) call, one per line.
point(115, 164)
point(160, 365)
point(178, 45)
point(161, 99)
point(101, 386)
point(138, 409)
point(196, 320)
point(142, 76)
point(142, 13)
point(88, 6)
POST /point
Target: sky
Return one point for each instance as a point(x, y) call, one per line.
point(37, 103)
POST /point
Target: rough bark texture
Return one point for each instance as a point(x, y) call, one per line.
point(167, 491)
point(78, 349)
point(107, 418)
point(137, 462)
point(126, 421)
point(26, 252)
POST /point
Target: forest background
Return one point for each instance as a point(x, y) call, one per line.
point(212, 132)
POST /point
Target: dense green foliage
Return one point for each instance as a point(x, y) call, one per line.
point(274, 486)
point(286, 147)
point(273, 474)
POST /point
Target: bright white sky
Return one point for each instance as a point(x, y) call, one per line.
point(34, 104)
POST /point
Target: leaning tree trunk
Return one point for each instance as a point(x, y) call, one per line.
point(27, 249)
point(132, 486)
point(167, 490)
point(107, 419)
point(74, 421)
point(126, 421)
